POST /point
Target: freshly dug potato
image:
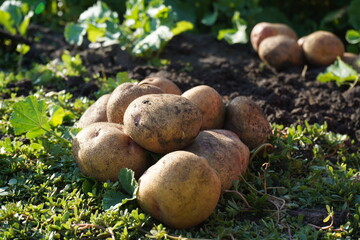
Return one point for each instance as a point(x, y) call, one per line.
point(321, 48)
point(162, 123)
point(95, 113)
point(281, 52)
point(102, 149)
point(224, 151)
point(264, 30)
point(163, 83)
point(123, 95)
point(245, 118)
point(210, 104)
point(181, 190)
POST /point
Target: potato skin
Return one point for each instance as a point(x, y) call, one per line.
point(281, 52)
point(123, 95)
point(162, 123)
point(181, 190)
point(264, 30)
point(224, 151)
point(163, 83)
point(245, 118)
point(95, 113)
point(102, 149)
point(321, 48)
point(210, 104)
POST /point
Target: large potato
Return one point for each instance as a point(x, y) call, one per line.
point(224, 151)
point(102, 149)
point(95, 113)
point(210, 104)
point(123, 95)
point(245, 118)
point(281, 52)
point(321, 48)
point(163, 83)
point(181, 190)
point(264, 30)
point(162, 123)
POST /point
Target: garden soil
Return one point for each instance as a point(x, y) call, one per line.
point(292, 96)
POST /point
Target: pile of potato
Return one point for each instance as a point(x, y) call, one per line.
point(204, 143)
point(278, 46)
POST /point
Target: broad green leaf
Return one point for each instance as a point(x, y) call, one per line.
point(115, 199)
point(94, 33)
point(25, 23)
point(237, 34)
point(14, 9)
point(153, 41)
point(210, 18)
point(353, 36)
point(127, 181)
point(340, 72)
point(57, 114)
point(181, 27)
point(29, 116)
point(74, 33)
point(99, 12)
point(22, 48)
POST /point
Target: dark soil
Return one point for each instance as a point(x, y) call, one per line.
point(287, 97)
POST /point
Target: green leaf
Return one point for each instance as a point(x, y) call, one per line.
point(210, 18)
point(181, 27)
point(74, 33)
point(14, 9)
point(25, 23)
point(127, 181)
point(40, 8)
point(237, 34)
point(114, 198)
point(57, 114)
point(340, 72)
point(30, 116)
point(94, 32)
point(22, 48)
point(353, 36)
point(5, 20)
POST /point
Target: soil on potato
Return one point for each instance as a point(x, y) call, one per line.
point(287, 97)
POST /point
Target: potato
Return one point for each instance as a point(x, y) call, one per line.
point(181, 190)
point(163, 83)
point(321, 48)
point(162, 123)
point(281, 52)
point(123, 95)
point(264, 30)
point(224, 151)
point(95, 113)
point(210, 104)
point(102, 149)
point(245, 118)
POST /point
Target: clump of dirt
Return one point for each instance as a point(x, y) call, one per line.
point(287, 97)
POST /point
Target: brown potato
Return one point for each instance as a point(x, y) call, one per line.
point(224, 151)
point(95, 113)
point(321, 48)
point(162, 123)
point(281, 52)
point(245, 118)
point(181, 190)
point(123, 95)
point(210, 104)
point(102, 149)
point(264, 30)
point(163, 83)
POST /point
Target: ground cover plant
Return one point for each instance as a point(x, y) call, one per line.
point(303, 183)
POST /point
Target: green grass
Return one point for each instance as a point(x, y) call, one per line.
point(43, 195)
